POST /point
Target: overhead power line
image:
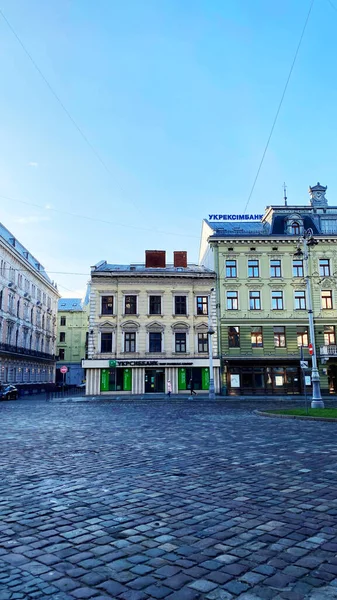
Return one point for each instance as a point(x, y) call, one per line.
point(280, 104)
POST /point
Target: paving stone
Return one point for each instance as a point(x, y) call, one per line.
point(203, 585)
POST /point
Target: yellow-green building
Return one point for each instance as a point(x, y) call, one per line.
point(262, 299)
point(72, 334)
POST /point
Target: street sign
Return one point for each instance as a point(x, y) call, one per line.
point(311, 350)
point(304, 364)
point(64, 369)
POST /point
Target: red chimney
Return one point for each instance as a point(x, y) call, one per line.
point(155, 259)
point(180, 258)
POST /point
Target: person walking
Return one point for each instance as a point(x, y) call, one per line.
point(192, 388)
point(169, 388)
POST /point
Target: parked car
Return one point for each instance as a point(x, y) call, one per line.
point(9, 392)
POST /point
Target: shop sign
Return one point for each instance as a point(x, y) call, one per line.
point(235, 217)
point(149, 363)
point(235, 380)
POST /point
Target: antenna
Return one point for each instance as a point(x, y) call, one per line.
point(285, 194)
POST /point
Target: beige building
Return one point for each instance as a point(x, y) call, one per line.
point(149, 326)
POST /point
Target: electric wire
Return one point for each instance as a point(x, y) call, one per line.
point(280, 104)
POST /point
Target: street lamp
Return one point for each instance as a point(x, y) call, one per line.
point(308, 240)
point(211, 331)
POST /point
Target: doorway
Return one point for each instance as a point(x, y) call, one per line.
point(154, 381)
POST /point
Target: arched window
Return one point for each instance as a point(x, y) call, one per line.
point(295, 228)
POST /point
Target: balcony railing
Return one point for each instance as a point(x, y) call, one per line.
point(328, 350)
point(25, 351)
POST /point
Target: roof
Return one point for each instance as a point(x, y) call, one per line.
point(140, 268)
point(224, 228)
point(70, 304)
point(25, 254)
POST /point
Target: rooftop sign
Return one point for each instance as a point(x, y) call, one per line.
point(235, 217)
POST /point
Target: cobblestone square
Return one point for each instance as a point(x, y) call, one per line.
point(183, 500)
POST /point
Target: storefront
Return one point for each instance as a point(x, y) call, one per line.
point(269, 379)
point(149, 376)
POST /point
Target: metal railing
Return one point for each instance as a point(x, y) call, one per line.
point(25, 351)
point(328, 350)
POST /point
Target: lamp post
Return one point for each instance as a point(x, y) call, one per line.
point(211, 390)
point(308, 241)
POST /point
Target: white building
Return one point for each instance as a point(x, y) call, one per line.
point(28, 308)
point(149, 325)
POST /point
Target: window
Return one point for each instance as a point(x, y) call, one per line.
point(324, 267)
point(234, 337)
point(302, 336)
point(297, 268)
point(62, 336)
point(329, 335)
point(61, 354)
point(155, 340)
point(155, 305)
point(180, 342)
point(327, 299)
point(277, 300)
point(107, 305)
point(130, 305)
point(106, 342)
point(254, 300)
point(275, 268)
point(253, 268)
point(63, 322)
point(130, 341)
point(295, 228)
point(300, 303)
point(18, 308)
point(1, 298)
point(202, 305)
point(232, 300)
point(256, 337)
point(231, 270)
point(180, 305)
point(202, 342)
point(279, 337)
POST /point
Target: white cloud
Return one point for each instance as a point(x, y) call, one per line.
point(31, 219)
point(33, 164)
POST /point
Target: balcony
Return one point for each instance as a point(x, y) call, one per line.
point(18, 350)
point(328, 350)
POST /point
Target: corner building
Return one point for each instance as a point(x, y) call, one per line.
point(262, 300)
point(149, 325)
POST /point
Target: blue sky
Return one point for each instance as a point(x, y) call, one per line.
point(178, 98)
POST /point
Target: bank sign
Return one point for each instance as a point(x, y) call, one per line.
point(235, 217)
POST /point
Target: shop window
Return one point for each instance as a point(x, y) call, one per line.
point(256, 337)
point(114, 379)
point(130, 341)
point(62, 336)
point(232, 300)
point(231, 269)
point(202, 305)
point(180, 342)
point(234, 337)
point(155, 305)
point(253, 268)
point(324, 267)
point(255, 300)
point(107, 305)
point(130, 305)
point(277, 300)
point(329, 335)
point(302, 336)
point(279, 337)
point(155, 341)
point(300, 300)
point(275, 268)
point(327, 299)
point(180, 305)
point(297, 268)
point(106, 342)
point(202, 342)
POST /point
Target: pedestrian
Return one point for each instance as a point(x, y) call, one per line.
point(192, 388)
point(169, 388)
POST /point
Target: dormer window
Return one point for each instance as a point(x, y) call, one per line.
point(295, 228)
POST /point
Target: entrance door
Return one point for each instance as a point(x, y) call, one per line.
point(154, 381)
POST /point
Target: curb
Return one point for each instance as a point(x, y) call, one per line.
point(261, 413)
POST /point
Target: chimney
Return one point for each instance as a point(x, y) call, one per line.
point(155, 259)
point(180, 258)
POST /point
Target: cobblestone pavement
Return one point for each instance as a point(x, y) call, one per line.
point(182, 500)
